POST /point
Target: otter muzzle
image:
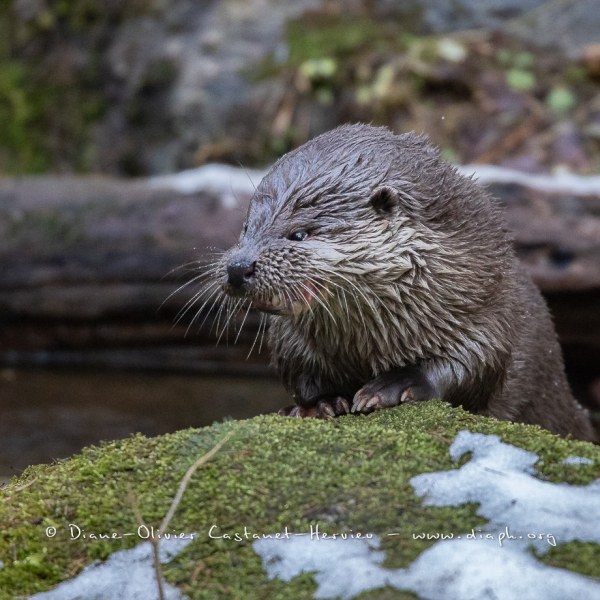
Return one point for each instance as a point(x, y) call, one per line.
point(240, 273)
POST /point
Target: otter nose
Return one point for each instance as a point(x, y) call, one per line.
point(240, 272)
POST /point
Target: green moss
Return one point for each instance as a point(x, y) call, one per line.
point(18, 115)
point(583, 557)
point(520, 80)
point(329, 37)
point(48, 100)
point(349, 474)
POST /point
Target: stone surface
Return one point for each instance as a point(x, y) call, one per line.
point(360, 480)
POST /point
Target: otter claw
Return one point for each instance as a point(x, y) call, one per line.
point(366, 404)
point(398, 386)
point(342, 406)
point(358, 404)
point(292, 411)
point(373, 403)
point(407, 396)
point(327, 408)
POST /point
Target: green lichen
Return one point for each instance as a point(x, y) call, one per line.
point(348, 474)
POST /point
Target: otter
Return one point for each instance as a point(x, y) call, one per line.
point(391, 279)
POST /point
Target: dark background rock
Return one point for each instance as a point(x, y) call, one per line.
point(138, 88)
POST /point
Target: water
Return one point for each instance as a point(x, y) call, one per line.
point(50, 414)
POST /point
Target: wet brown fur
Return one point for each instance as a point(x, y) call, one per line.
point(406, 265)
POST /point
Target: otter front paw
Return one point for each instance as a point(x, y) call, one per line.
point(389, 389)
point(326, 408)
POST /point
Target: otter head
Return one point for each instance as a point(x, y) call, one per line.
point(370, 225)
point(327, 222)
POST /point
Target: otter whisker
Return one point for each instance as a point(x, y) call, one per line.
point(192, 301)
point(353, 295)
point(231, 315)
point(215, 296)
point(291, 297)
point(222, 312)
point(224, 308)
point(242, 324)
point(343, 293)
point(355, 287)
point(295, 296)
point(316, 297)
point(210, 291)
point(213, 271)
point(220, 299)
point(194, 298)
point(198, 264)
point(262, 325)
point(367, 300)
point(262, 316)
point(319, 286)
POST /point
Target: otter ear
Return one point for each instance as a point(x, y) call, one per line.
point(384, 200)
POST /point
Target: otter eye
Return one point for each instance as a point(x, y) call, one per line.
point(297, 236)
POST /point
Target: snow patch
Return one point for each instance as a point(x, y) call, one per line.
point(226, 181)
point(341, 569)
point(452, 570)
point(498, 478)
point(576, 460)
point(527, 511)
point(125, 574)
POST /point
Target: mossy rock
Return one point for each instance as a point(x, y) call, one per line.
point(348, 474)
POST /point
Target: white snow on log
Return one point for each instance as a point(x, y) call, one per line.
point(452, 569)
point(342, 568)
point(227, 181)
point(494, 561)
point(565, 183)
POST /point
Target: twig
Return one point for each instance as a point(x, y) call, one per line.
point(21, 487)
point(186, 480)
point(153, 540)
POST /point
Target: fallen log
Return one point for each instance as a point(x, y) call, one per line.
point(97, 257)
